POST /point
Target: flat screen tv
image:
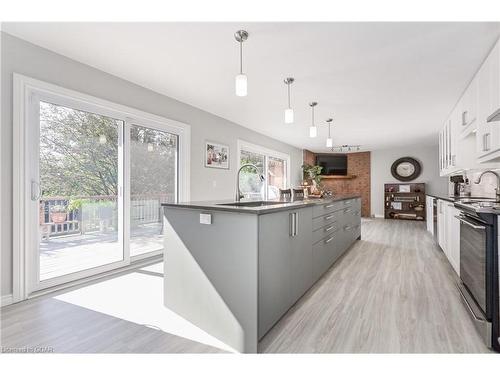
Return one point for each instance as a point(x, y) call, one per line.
point(333, 164)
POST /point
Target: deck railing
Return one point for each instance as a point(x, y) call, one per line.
point(99, 213)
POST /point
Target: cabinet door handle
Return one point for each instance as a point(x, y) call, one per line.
point(486, 139)
point(296, 221)
point(292, 224)
point(464, 118)
point(329, 239)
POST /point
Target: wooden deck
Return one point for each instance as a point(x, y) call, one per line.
point(68, 254)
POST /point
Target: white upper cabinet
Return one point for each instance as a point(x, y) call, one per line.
point(467, 110)
point(468, 140)
point(488, 133)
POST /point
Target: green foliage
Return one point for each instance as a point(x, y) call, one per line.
point(59, 208)
point(79, 156)
point(72, 159)
point(313, 172)
point(78, 203)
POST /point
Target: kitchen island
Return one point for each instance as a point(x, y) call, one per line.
point(234, 268)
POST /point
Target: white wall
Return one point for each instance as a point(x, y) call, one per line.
point(30, 60)
point(381, 161)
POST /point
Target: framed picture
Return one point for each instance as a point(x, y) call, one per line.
point(216, 155)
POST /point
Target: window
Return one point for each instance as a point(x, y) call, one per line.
point(273, 165)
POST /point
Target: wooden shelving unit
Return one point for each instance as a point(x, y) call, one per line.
point(404, 201)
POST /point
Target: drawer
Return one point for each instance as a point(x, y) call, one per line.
point(351, 232)
point(353, 202)
point(324, 254)
point(325, 231)
point(354, 216)
point(321, 221)
point(325, 208)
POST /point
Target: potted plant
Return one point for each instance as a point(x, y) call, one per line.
point(58, 214)
point(313, 172)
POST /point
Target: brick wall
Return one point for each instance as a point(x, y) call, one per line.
point(358, 164)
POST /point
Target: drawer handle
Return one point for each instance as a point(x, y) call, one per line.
point(329, 205)
point(346, 202)
point(329, 228)
point(346, 210)
point(328, 240)
point(329, 217)
point(347, 227)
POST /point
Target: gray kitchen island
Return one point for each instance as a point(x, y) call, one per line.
point(235, 268)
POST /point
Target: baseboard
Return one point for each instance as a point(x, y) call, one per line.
point(378, 216)
point(8, 299)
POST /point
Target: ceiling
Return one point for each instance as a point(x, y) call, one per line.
point(384, 84)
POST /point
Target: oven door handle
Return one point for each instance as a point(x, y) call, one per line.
point(470, 224)
point(469, 306)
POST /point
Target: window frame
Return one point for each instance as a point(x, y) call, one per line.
point(28, 91)
point(266, 152)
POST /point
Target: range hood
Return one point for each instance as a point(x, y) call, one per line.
point(495, 116)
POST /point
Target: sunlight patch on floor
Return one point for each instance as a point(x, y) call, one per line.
point(138, 297)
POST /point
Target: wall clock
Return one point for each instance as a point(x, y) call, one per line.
point(406, 169)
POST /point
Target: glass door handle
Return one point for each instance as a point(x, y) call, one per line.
point(36, 190)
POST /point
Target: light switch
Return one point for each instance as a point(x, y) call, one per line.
point(206, 219)
point(214, 183)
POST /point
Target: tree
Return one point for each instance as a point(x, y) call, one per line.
point(79, 155)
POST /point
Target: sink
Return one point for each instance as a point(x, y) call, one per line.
point(251, 204)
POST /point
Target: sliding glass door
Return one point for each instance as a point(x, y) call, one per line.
point(153, 181)
point(76, 191)
point(95, 181)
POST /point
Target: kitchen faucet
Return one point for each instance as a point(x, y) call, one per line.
point(497, 189)
point(238, 191)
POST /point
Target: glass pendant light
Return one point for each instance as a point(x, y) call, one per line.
point(329, 140)
point(241, 85)
point(289, 111)
point(313, 130)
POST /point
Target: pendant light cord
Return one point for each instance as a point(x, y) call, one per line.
point(288, 84)
point(241, 57)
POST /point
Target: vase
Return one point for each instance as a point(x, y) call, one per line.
point(58, 217)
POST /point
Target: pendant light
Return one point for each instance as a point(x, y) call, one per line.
point(329, 140)
point(313, 130)
point(289, 111)
point(241, 79)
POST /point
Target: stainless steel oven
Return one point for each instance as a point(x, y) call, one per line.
point(475, 272)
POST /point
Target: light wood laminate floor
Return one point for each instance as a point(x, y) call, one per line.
point(392, 292)
point(120, 314)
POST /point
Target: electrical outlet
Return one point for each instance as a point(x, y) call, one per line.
point(206, 219)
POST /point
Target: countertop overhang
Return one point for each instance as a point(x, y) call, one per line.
point(281, 205)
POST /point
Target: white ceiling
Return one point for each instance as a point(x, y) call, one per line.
point(385, 84)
